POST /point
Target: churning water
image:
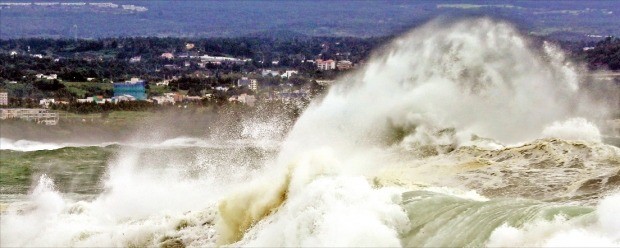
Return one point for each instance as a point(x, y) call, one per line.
point(460, 134)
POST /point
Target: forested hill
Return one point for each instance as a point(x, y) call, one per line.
point(86, 19)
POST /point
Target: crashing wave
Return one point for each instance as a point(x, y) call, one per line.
point(430, 144)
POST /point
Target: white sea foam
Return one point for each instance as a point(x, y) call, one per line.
point(435, 87)
point(177, 142)
point(573, 129)
point(603, 231)
point(428, 92)
point(28, 145)
point(478, 77)
point(138, 208)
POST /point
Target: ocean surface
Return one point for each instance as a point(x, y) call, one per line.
point(458, 134)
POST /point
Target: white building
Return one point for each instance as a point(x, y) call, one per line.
point(167, 55)
point(325, 65)
point(4, 98)
point(123, 98)
point(253, 85)
point(249, 82)
point(48, 77)
point(222, 88)
point(46, 102)
point(272, 73)
point(42, 116)
point(289, 73)
point(344, 65)
point(135, 59)
point(219, 59)
point(163, 99)
point(243, 98)
point(163, 83)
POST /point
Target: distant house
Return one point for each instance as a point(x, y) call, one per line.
point(253, 85)
point(4, 98)
point(48, 77)
point(41, 116)
point(124, 98)
point(46, 102)
point(134, 88)
point(135, 59)
point(189, 46)
point(243, 98)
point(170, 98)
point(325, 65)
point(222, 88)
point(220, 59)
point(167, 55)
point(272, 73)
point(249, 82)
point(289, 73)
point(163, 83)
point(163, 99)
point(344, 65)
point(176, 96)
point(95, 99)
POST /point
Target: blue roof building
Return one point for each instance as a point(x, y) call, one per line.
point(134, 88)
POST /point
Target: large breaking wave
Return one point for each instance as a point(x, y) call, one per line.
point(457, 134)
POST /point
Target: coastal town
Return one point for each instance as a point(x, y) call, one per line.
point(273, 83)
point(42, 79)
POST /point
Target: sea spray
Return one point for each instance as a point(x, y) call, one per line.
point(573, 129)
point(475, 77)
point(141, 205)
point(436, 88)
point(330, 209)
point(441, 106)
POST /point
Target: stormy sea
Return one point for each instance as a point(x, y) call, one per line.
point(463, 133)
